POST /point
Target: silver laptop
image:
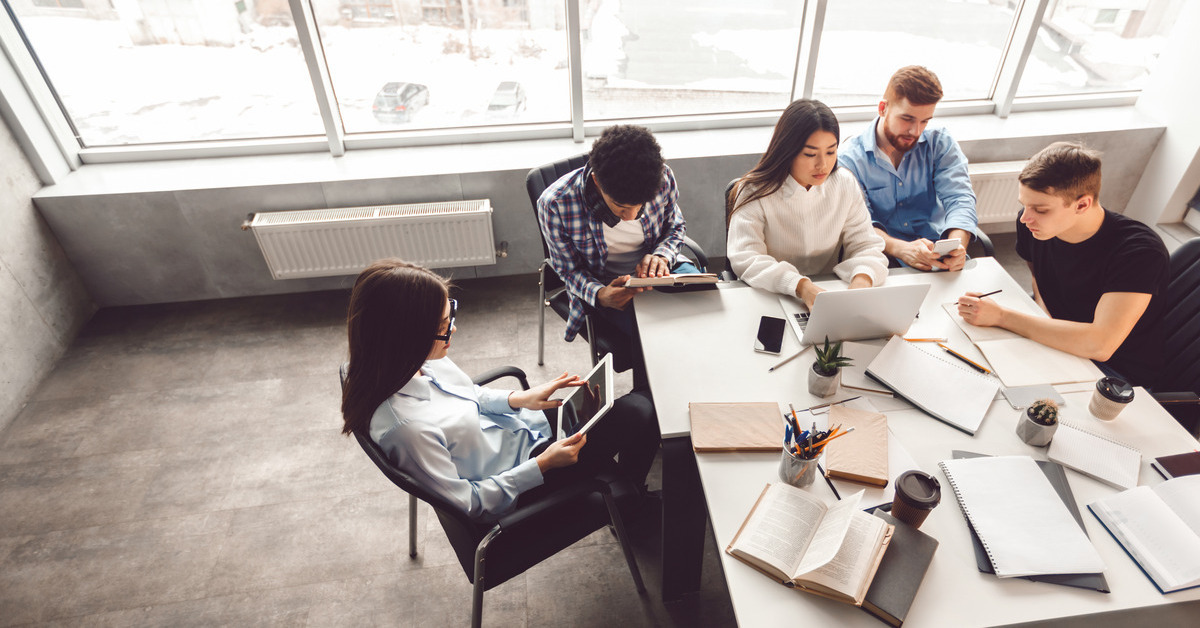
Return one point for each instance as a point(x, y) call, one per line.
point(855, 314)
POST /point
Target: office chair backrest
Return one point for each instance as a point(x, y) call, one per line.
point(1181, 321)
point(542, 177)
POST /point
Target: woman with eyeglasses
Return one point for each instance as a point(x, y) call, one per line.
point(477, 447)
point(797, 214)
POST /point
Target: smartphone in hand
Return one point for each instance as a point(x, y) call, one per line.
point(945, 247)
point(770, 335)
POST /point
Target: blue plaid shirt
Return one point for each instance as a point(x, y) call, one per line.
point(928, 195)
point(574, 232)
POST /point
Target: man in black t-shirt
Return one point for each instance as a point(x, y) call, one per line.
point(1102, 277)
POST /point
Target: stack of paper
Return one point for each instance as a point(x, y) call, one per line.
point(1020, 520)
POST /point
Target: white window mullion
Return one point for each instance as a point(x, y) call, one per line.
point(32, 111)
point(318, 71)
point(1020, 44)
point(809, 46)
point(575, 65)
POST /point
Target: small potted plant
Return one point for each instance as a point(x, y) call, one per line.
point(1038, 423)
point(826, 372)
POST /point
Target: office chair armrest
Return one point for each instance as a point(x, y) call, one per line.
point(697, 253)
point(488, 377)
point(985, 242)
point(1183, 406)
point(533, 510)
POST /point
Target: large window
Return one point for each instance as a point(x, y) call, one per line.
point(865, 41)
point(659, 58)
point(173, 71)
point(1097, 45)
point(447, 63)
point(134, 72)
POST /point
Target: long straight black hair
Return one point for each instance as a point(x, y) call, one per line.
point(395, 312)
point(799, 121)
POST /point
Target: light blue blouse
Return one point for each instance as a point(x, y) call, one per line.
point(461, 441)
point(928, 195)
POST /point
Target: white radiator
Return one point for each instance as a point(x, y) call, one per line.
point(996, 188)
point(328, 242)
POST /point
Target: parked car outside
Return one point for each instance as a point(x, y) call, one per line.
point(507, 102)
point(397, 102)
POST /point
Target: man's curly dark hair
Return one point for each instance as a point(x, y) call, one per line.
point(628, 163)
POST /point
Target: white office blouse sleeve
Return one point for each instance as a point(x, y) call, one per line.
point(422, 450)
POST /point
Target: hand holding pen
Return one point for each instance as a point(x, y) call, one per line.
point(974, 309)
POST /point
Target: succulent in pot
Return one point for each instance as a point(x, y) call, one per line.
point(1038, 423)
point(826, 373)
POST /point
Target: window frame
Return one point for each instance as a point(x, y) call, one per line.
point(54, 122)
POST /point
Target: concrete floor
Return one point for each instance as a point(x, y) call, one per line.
point(183, 466)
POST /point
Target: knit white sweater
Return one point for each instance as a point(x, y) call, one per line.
point(779, 239)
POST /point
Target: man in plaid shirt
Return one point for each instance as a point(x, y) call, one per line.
point(616, 217)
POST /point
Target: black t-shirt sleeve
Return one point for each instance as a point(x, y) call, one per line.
point(1139, 266)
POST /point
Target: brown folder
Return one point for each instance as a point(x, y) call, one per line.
point(862, 455)
point(748, 426)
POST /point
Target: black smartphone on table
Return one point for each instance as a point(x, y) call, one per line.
point(770, 335)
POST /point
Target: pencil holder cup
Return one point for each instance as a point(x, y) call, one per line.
point(797, 471)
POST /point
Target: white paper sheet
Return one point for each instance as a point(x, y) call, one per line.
point(1020, 519)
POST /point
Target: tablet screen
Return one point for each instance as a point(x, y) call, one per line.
point(585, 405)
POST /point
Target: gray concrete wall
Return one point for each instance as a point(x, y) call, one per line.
point(175, 241)
point(43, 303)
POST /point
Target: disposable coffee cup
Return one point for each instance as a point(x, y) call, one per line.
point(1111, 396)
point(917, 493)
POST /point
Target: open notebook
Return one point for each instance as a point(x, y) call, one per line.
point(1024, 526)
point(951, 393)
point(1019, 361)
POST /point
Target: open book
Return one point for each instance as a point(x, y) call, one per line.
point(672, 280)
point(1160, 528)
point(793, 537)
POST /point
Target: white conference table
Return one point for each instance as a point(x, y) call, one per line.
point(698, 347)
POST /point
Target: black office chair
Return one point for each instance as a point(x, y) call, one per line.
point(727, 203)
point(597, 331)
point(491, 553)
point(1178, 390)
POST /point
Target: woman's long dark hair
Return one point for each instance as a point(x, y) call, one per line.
point(395, 311)
point(799, 121)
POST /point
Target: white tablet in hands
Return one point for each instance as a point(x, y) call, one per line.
point(584, 405)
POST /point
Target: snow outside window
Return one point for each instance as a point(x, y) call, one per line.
point(1097, 45)
point(508, 67)
point(174, 71)
point(865, 41)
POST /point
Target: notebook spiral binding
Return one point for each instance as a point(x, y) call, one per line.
point(966, 513)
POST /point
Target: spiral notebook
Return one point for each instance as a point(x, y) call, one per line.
point(1100, 457)
point(1022, 523)
point(951, 393)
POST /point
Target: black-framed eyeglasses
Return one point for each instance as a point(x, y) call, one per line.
point(449, 330)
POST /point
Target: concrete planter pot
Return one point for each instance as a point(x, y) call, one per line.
point(1034, 433)
point(823, 385)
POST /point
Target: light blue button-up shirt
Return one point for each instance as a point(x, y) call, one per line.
point(461, 441)
point(928, 195)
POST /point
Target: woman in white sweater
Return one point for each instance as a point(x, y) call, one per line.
point(796, 210)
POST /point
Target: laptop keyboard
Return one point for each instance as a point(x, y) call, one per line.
point(801, 319)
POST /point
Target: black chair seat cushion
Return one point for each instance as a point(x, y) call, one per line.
point(515, 550)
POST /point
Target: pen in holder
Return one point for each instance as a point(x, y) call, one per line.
point(797, 471)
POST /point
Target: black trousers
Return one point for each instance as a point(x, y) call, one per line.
point(628, 431)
